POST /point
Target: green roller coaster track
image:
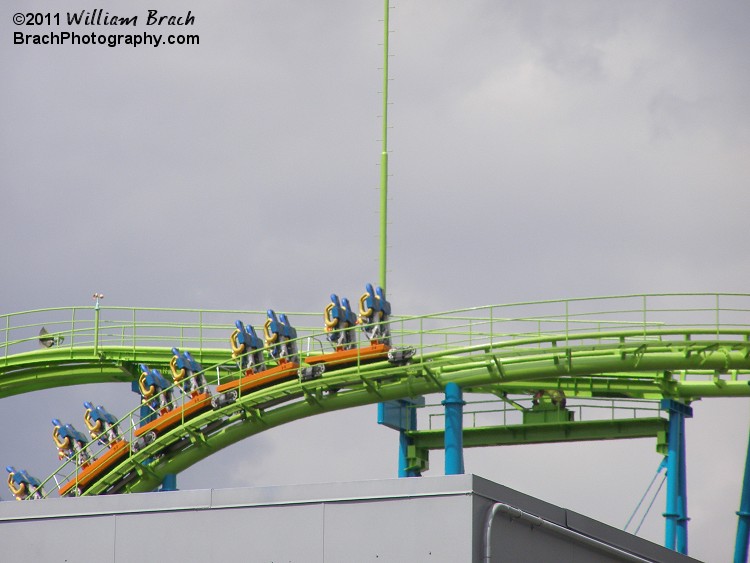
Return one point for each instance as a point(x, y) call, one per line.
point(624, 348)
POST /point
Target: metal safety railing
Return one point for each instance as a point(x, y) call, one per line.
point(498, 412)
point(516, 328)
point(199, 329)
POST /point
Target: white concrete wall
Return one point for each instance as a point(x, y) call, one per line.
point(435, 519)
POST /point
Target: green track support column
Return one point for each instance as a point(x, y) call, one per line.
point(676, 536)
point(743, 525)
point(454, 427)
point(404, 443)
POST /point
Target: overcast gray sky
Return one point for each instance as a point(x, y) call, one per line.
point(541, 149)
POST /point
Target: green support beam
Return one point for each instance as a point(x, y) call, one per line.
point(58, 367)
point(546, 433)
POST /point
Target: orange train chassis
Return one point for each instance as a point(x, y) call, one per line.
point(345, 358)
point(261, 379)
point(148, 432)
point(228, 393)
point(118, 450)
point(175, 416)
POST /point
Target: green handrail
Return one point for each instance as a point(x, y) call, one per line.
point(589, 347)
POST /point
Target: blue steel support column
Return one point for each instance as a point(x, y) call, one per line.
point(147, 415)
point(410, 415)
point(454, 439)
point(675, 536)
point(672, 512)
point(743, 524)
point(682, 521)
point(401, 415)
point(169, 483)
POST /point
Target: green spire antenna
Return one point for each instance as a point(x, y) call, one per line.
point(384, 156)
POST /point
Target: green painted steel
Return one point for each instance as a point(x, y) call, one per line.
point(44, 369)
point(630, 347)
point(379, 382)
point(384, 152)
point(544, 433)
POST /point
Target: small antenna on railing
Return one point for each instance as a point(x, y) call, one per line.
point(96, 297)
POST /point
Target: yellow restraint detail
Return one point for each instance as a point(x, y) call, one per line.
point(12, 485)
point(237, 349)
point(176, 375)
point(96, 430)
point(20, 491)
point(270, 338)
point(56, 437)
point(87, 420)
point(362, 311)
point(147, 393)
point(330, 323)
